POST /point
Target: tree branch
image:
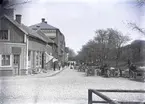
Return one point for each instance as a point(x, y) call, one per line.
point(134, 26)
point(21, 3)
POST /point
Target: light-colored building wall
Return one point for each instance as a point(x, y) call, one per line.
point(13, 46)
point(20, 50)
point(38, 51)
point(9, 49)
point(54, 34)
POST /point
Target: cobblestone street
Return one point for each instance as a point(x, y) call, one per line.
point(68, 87)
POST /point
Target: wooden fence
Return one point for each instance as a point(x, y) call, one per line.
point(109, 100)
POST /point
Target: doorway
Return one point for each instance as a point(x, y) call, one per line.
point(16, 64)
point(43, 60)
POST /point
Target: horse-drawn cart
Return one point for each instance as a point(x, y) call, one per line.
point(138, 74)
point(90, 71)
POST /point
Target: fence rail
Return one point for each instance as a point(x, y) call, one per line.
point(109, 100)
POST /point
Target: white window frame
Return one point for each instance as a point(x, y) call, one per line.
point(8, 36)
point(1, 60)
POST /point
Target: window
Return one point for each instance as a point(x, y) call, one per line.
point(4, 35)
point(37, 58)
point(40, 58)
point(5, 60)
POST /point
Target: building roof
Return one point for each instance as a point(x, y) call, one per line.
point(45, 37)
point(43, 25)
point(29, 31)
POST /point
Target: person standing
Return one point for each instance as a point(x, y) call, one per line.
point(54, 66)
point(59, 65)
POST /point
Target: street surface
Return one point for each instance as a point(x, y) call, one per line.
point(68, 87)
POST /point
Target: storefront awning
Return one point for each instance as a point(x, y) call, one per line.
point(48, 57)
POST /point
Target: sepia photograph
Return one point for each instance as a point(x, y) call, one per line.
point(72, 51)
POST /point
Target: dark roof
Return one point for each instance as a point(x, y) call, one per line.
point(43, 25)
point(29, 31)
point(45, 37)
point(138, 43)
point(15, 23)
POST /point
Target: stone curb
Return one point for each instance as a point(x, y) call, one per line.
point(52, 74)
point(31, 76)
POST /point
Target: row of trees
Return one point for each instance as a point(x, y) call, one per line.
point(71, 54)
point(105, 47)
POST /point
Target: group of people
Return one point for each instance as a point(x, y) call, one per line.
point(107, 71)
point(70, 64)
point(57, 65)
point(103, 70)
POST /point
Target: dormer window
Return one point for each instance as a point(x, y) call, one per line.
point(4, 35)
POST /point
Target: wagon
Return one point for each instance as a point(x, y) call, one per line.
point(125, 73)
point(138, 74)
point(114, 72)
point(81, 68)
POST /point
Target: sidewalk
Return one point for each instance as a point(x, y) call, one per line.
point(41, 75)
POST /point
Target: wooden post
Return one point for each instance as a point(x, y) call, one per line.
point(89, 96)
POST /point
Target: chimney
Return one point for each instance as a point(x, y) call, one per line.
point(18, 18)
point(43, 19)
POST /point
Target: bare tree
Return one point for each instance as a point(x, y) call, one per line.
point(120, 40)
point(71, 54)
point(139, 8)
point(102, 40)
point(11, 3)
point(100, 49)
point(136, 27)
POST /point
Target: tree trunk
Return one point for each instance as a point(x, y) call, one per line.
point(117, 57)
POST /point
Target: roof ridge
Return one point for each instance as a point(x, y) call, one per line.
point(43, 25)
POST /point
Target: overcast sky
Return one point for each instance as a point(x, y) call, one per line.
point(78, 19)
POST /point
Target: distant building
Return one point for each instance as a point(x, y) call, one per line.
point(54, 34)
point(135, 52)
point(21, 49)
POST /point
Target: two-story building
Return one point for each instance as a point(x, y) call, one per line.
point(22, 49)
point(54, 34)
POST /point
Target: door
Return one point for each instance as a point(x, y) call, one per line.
point(16, 64)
